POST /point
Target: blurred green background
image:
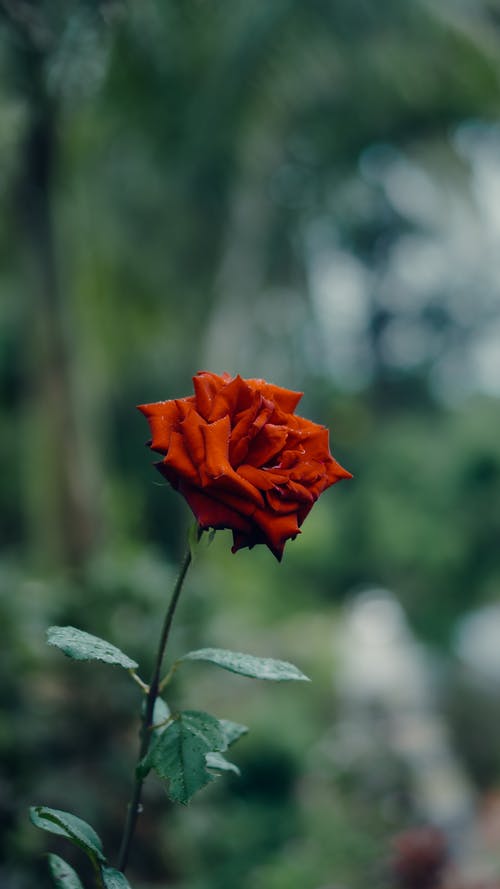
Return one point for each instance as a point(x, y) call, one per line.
point(309, 193)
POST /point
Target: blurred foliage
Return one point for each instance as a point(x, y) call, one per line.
point(305, 192)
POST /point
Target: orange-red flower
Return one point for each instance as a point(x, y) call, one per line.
point(242, 459)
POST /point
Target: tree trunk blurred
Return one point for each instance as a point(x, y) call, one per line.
point(59, 503)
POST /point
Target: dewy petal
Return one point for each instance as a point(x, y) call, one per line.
point(230, 399)
point(206, 385)
point(286, 399)
point(316, 442)
point(162, 417)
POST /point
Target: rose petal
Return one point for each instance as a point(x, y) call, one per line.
point(250, 422)
point(280, 504)
point(293, 493)
point(216, 439)
point(336, 472)
point(286, 399)
point(231, 398)
point(241, 540)
point(263, 479)
point(242, 433)
point(210, 513)
point(269, 442)
point(289, 459)
point(307, 472)
point(244, 505)
point(277, 529)
point(315, 441)
point(206, 385)
point(191, 429)
point(178, 459)
point(231, 484)
point(171, 475)
point(162, 417)
point(217, 473)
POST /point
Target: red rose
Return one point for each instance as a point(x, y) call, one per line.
point(242, 459)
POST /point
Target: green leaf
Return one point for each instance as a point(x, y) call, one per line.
point(247, 664)
point(178, 754)
point(219, 763)
point(63, 874)
point(84, 647)
point(232, 731)
point(69, 826)
point(114, 879)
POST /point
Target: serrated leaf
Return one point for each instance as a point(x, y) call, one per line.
point(232, 731)
point(178, 754)
point(219, 763)
point(247, 664)
point(69, 826)
point(114, 879)
point(83, 646)
point(63, 874)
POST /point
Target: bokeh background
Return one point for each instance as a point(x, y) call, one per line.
point(309, 193)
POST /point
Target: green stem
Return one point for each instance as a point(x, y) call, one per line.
point(98, 874)
point(147, 719)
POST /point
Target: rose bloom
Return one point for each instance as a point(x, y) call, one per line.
point(242, 459)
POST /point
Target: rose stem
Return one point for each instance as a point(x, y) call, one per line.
point(147, 719)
